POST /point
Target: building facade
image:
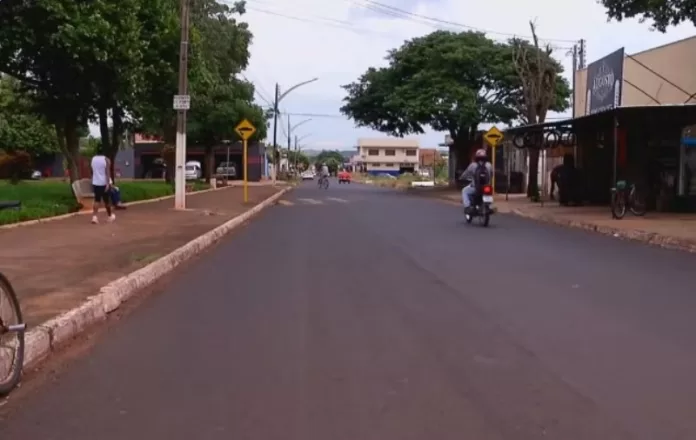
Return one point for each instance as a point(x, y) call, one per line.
point(388, 155)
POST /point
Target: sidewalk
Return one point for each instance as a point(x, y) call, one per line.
point(669, 230)
point(56, 265)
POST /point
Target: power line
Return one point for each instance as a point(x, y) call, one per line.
point(348, 26)
point(394, 11)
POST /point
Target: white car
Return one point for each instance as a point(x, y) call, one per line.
point(194, 171)
point(308, 175)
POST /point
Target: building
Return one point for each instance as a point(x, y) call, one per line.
point(388, 155)
point(633, 119)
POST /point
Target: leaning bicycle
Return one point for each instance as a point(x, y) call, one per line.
point(625, 197)
point(12, 328)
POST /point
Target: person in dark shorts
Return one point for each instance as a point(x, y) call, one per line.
point(101, 182)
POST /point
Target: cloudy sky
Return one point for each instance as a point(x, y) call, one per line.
point(337, 40)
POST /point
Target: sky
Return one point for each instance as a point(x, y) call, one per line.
point(337, 40)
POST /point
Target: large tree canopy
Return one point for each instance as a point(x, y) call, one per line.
point(452, 82)
point(449, 81)
point(662, 13)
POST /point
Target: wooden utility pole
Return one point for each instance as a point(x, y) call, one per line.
point(180, 171)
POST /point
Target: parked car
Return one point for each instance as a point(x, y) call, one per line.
point(344, 177)
point(226, 169)
point(308, 175)
point(194, 170)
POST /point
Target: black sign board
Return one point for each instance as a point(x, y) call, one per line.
point(605, 83)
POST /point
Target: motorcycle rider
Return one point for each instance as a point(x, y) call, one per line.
point(472, 173)
point(324, 171)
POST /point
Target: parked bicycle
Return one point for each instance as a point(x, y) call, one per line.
point(12, 328)
point(625, 197)
point(324, 182)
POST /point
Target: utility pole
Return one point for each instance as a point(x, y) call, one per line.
point(575, 93)
point(276, 100)
point(297, 153)
point(289, 142)
point(275, 132)
point(582, 55)
point(179, 173)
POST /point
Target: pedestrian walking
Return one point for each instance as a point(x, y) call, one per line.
point(101, 182)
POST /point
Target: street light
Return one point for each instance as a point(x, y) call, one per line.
point(290, 130)
point(279, 97)
point(297, 146)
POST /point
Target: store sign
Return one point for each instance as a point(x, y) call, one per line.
point(604, 83)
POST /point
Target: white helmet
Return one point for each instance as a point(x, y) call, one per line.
point(481, 154)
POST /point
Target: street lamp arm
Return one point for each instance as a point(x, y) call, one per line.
point(280, 98)
point(299, 123)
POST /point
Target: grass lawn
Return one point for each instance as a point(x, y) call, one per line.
point(50, 198)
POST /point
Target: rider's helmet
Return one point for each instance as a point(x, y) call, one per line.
point(480, 154)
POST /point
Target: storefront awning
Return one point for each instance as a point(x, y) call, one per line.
point(676, 114)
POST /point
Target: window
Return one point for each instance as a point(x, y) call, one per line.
point(376, 165)
point(390, 152)
point(388, 164)
point(410, 152)
point(373, 152)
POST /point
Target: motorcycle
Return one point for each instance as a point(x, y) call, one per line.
point(481, 206)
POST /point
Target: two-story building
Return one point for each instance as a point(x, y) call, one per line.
point(388, 155)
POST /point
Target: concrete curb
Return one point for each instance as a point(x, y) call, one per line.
point(651, 238)
point(73, 214)
point(43, 339)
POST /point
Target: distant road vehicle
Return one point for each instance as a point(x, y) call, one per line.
point(194, 171)
point(344, 177)
point(308, 175)
point(226, 169)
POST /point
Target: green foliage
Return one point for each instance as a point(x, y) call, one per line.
point(21, 129)
point(332, 158)
point(299, 158)
point(449, 81)
point(662, 13)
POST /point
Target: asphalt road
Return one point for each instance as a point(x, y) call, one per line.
point(376, 315)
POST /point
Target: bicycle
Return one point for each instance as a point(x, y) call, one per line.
point(625, 196)
point(12, 328)
point(324, 182)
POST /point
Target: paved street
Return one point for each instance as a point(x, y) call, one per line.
point(360, 313)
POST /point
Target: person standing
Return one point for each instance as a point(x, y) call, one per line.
point(101, 182)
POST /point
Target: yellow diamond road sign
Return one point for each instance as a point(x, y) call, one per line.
point(493, 136)
point(245, 129)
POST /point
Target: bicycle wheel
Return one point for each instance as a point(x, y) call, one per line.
point(636, 203)
point(618, 205)
point(11, 338)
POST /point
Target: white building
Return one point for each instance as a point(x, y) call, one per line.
point(388, 155)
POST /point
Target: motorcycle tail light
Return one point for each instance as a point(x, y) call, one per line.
point(487, 189)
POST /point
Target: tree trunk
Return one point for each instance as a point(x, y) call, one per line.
point(116, 136)
point(69, 144)
point(209, 162)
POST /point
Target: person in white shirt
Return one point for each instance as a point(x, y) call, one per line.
point(101, 182)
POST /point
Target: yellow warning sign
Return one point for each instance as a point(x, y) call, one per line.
point(245, 129)
point(493, 136)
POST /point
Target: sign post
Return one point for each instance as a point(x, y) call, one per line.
point(493, 137)
point(245, 130)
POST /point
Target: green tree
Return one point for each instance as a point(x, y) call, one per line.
point(449, 81)
point(21, 129)
point(662, 13)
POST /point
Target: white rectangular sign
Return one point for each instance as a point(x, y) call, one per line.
point(182, 102)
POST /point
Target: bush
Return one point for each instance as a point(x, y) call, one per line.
point(15, 166)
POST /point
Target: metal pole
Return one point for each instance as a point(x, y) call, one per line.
point(227, 166)
point(245, 167)
point(275, 132)
point(296, 154)
point(179, 173)
point(509, 167)
point(289, 142)
point(575, 94)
